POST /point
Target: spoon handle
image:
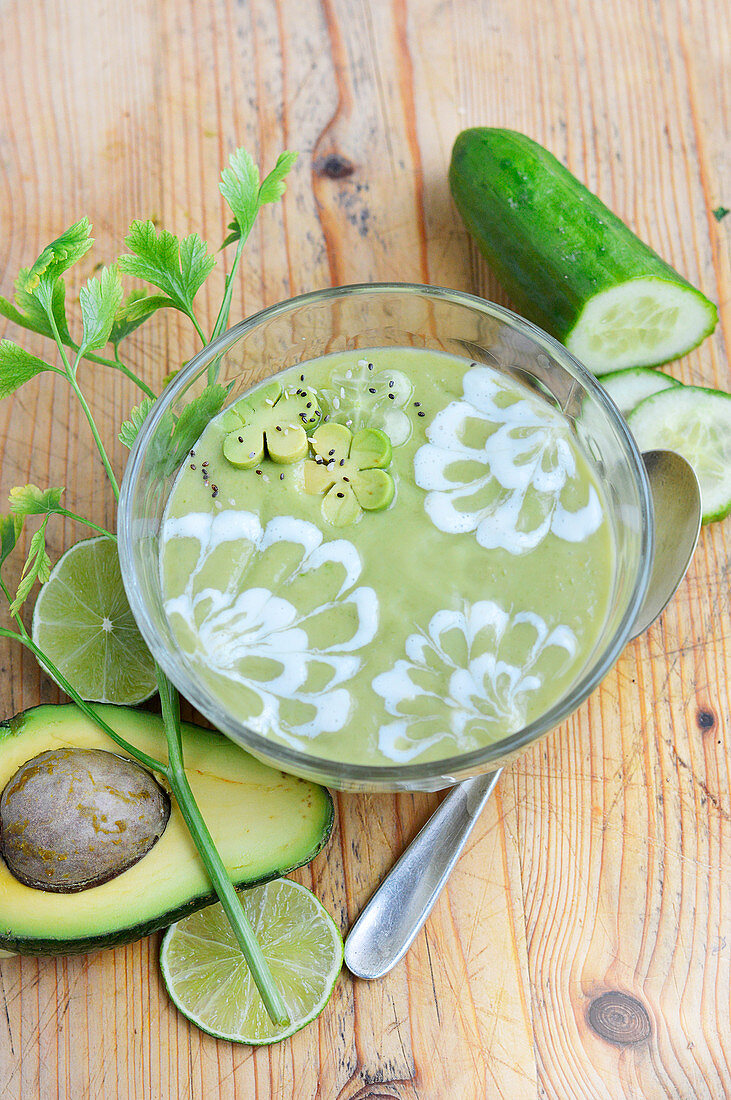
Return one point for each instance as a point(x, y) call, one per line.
point(386, 928)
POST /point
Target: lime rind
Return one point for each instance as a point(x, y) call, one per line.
point(211, 985)
point(642, 322)
point(695, 422)
point(83, 623)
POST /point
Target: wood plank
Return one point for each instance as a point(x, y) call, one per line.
point(602, 866)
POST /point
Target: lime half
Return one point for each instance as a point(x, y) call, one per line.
point(210, 982)
point(83, 622)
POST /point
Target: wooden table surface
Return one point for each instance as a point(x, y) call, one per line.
point(583, 946)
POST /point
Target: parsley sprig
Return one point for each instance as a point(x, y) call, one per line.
point(177, 268)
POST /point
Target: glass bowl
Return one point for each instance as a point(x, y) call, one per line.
point(369, 316)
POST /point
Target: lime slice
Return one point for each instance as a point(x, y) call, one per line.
point(82, 621)
point(695, 422)
point(210, 982)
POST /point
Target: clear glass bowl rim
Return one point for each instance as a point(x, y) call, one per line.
point(362, 776)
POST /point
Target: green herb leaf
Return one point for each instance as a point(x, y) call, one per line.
point(274, 186)
point(195, 416)
point(18, 366)
point(59, 256)
point(100, 299)
point(233, 235)
point(174, 437)
point(31, 315)
point(171, 374)
point(36, 568)
point(30, 500)
point(241, 190)
point(178, 268)
point(130, 428)
point(720, 212)
point(10, 528)
point(134, 310)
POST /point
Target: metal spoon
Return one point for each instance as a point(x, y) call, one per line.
point(388, 925)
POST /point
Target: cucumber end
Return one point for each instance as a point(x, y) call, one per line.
point(643, 322)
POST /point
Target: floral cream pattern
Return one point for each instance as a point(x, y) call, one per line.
point(289, 624)
point(503, 468)
point(471, 672)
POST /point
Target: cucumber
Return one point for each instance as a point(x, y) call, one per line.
point(695, 422)
point(568, 263)
point(628, 387)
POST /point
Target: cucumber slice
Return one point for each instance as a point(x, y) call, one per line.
point(628, 387)
point(696, 423)
point(567, 261)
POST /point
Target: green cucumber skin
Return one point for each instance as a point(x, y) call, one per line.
point(552, 244)
point(122, 936)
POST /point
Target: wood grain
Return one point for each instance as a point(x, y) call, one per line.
point(583, 946)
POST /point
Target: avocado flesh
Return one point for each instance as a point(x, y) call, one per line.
point(263, 822)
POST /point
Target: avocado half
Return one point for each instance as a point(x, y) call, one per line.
point(263, 822)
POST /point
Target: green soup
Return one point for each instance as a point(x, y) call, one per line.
point(328, 619)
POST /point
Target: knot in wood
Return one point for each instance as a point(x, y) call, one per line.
point(334, 167)
point(705, 720)
point(619, 1018)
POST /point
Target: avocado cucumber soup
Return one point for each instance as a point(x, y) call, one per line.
point(387, 556)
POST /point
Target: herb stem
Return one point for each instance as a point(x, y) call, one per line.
point(197, 327)
point(86, 708)
point(87, 522)
point(56, 334)
point(217, 873)
point(223, 313)
point(71, 375)
point(117, 364)
point(16, 615)
point(97, 438)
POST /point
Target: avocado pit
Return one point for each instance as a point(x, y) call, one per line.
point(73, 818)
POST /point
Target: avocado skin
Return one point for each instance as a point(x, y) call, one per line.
point(13, 728)
point(41, 947)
